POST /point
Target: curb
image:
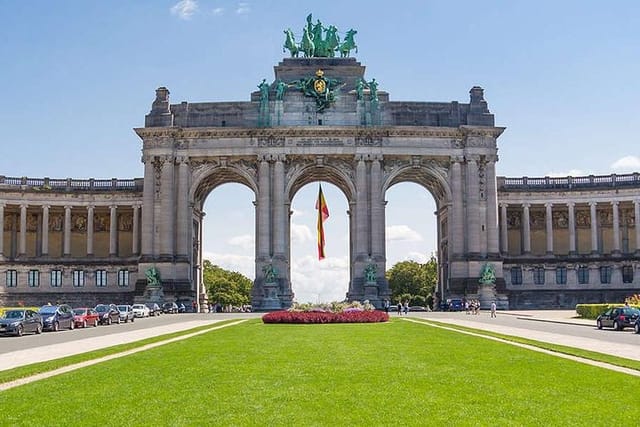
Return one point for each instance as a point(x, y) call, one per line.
point(562, 322)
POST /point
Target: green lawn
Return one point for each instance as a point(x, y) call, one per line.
point(396, 373)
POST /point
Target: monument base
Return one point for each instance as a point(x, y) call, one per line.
point(271, 301)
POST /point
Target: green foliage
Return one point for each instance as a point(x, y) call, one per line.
point(226, 287)
point(591, 311)
point(332, 307)
point(413, 282)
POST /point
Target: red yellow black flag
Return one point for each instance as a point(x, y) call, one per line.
point(323, 214)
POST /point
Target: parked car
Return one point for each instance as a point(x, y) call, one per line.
point(56, 317)
point(618, 318)
point(455, 305)
point(170, 307)
point(17, 322)
point(636, 326)
point(140, 310)
point(108, 314)
point(126, 313)
point(154, 309)
point(84, 316)
point(418, 308)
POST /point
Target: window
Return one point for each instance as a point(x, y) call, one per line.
point(516, 275)
point(33, 279)
point(101, 278)
point(538, 275)
point(123, 278)
point(12, 278)
point(561, 275)
point(78, 278)
point(605, 274)
point(627, 274)
point(56, 278)
point(583, 275)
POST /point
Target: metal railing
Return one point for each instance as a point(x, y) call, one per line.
point(70, 184)
point(569, 182)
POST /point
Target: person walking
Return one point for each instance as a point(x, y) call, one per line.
point(493, 309)
point(406, 307)
point(386, 306)
point(399, 307)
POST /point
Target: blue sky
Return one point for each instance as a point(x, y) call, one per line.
point(78, 76)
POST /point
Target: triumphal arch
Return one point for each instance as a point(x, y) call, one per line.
point(321, 118)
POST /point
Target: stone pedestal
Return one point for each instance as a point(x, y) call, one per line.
point(371, 292)
point(271, 301)
point(486, 295)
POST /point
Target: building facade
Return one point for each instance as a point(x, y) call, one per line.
point(550, 242)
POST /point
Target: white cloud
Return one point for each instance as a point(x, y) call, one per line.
point(402, 232)
point(571, 172)
point(244, 241)
point(243, 9)
point(241, 263)
point(313, 280)
point(184, 9)
point(218, 11)
point(301, 234)
point(627, 164)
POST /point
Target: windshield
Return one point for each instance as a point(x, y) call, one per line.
point(138, 307)
point(79, 311)
point(14, 314)
point(123, 308)
point(102, 308)
point(48, 309)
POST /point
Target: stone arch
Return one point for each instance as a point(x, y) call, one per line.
point(334, 172)
point(431, 176)
point(207, 177)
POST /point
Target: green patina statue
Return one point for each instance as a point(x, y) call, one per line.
point(281, 87)
point(370, 272)
point(264, 90)
point(487, 275)
point(320, 88)
point(373, 90)
point(313, 43)
point(153, 277)
point(270, 273)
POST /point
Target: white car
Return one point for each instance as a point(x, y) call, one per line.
point(140, 310)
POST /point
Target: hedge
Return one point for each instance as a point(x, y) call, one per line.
point(592, 311)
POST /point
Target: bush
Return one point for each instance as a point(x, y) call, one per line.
point(309, 317)
point(592, 311)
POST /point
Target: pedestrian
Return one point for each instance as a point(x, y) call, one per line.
point(399, 307)
point(194, 305)
point(493, 309)
point(386, 306)
point(406, 307)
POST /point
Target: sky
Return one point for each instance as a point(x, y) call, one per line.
point(78, 76)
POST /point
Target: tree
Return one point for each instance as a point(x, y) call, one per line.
point(226, 287)
point(413, 281)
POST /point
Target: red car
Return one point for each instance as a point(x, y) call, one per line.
point(83, 316)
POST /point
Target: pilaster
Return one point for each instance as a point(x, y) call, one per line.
point(526, 229)
point(45, 230)
point(504, 231)
point(549, 227)
point(572, 228)
point(616, 228)
point(492, 207)
point(594, 228)
point(90, 214)
point(113, 231)
point(66, 250)
point(473, 205)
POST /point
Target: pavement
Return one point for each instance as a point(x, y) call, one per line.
point(24, 357)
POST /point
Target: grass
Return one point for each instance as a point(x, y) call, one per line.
point(395, 373)
point(586, 354)
point(37, 368)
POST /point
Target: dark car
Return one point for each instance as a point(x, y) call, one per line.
point(126, 313)
point(56, 317)
point(455, 305)
point(84, 316)
point(636, 326)
point(618, 318)
point(17, 322)
point(170, 307)
point(154, 309)
point(108, 314)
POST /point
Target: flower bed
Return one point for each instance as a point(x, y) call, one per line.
point(308, 317)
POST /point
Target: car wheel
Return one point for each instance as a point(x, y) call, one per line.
point(108, 320)
point(132, 319)
point(39, 329)
point(118, 320)
point(84, 324)
point(20, 331)
point(55, 327)
point(95, 323)
point(72, 325)
point(616, 325)
point(636, 328)
point(599, 324)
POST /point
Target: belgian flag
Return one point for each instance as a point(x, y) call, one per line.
point(323, 214)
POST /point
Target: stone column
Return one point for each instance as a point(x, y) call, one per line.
point(504, 228)
point(45, 230)
point(572, 228)
point(66, 250)
point(135, 238)
point(456, 231)
point(280, 217)
point(377, 211)
point(362, 220)
point(616, 228)
point(1, 230)
point(594, 228)
point(183, 236)
point(168, 198)
point(492, 207)
point(526, 229)
point(473, 204)
point(147, 235)
point(636, 222)
point(549, 227)
point(90, 214)
point(22, 245)
point(113, 231)
point(263, 212)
